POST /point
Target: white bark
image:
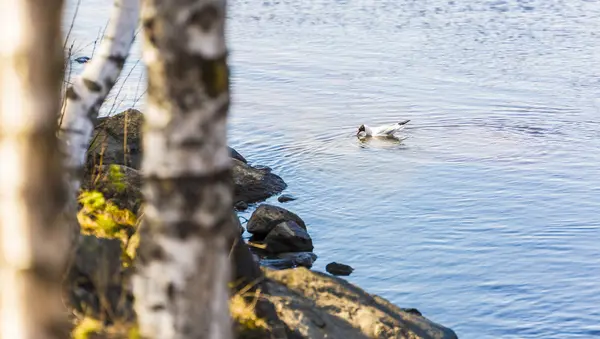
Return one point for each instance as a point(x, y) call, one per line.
point(33, 240)
point(88, 92)
point(183, 267)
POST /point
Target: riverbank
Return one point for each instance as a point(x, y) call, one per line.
point(307, 304)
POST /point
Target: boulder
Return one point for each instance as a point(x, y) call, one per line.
point(117, 140)
point(119, 184)
point(288, 236)
point(266, 217)
point(317, 305)
point(112, 133)
point(338, 269)
point(254, 185)
point(96, 279)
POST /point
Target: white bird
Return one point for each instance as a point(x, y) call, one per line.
point(381, 131)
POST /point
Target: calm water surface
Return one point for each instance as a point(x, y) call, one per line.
point(487, 217)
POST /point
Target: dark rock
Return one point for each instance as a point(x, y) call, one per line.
point(96, 280)
point(241, 206)
point(285, 198)
point(289, 260)
point(412, 311)
point(266, 217)
point(125, 128)
point(288, 236)
point(253, 185)
point(246, 270)
point(82, 60)
point(338, 269)
point(110, 136)
point(236, 155)
point(237, 223)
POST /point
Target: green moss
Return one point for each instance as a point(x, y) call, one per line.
point(86, 328)
point(103, 218)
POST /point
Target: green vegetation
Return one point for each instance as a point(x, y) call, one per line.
point(100, 215)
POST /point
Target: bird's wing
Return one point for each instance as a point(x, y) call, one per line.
point(389, 129)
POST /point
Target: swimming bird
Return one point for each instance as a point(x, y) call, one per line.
point(381, 131)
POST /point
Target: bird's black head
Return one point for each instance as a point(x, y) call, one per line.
point(361, 129)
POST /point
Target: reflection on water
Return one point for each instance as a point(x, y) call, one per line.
point(388, 142)
point(486, 217)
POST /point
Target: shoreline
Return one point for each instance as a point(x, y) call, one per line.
point(308, 303)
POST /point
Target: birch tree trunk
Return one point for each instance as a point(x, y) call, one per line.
point(183, 267)
point(88, 92)
point(33, 240)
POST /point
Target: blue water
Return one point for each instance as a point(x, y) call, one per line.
point(487, 218)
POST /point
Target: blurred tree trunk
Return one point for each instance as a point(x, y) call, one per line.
point(33, 240)
point(183, 266)
point(88, 92)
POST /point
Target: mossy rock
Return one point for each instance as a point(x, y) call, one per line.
point(124, 191)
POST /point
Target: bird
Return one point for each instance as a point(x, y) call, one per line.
point(385, 131)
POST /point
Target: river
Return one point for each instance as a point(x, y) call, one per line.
point(487, 217)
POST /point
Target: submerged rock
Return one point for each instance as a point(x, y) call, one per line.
point(289, 260)
point(338, 269)
point(285, 198)
point(266, 217)
point(254, 185)
point(82, 59)
point(288, 236)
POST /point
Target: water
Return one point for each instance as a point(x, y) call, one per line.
point(486, 217)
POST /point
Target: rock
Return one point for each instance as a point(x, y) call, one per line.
point(235, 155)
point(339, 269)
point(237, 222)
point(119, 184)
point(82, 59)
point(97, 274)
point(317, 306)
point(412, 311)
point(111, 133)
point(266, 217)
point(254, 185)
point(288, 236)
point(307, 305)
point(263, 168)
point(285, 198)
point(289, 260)
point(241, 206)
